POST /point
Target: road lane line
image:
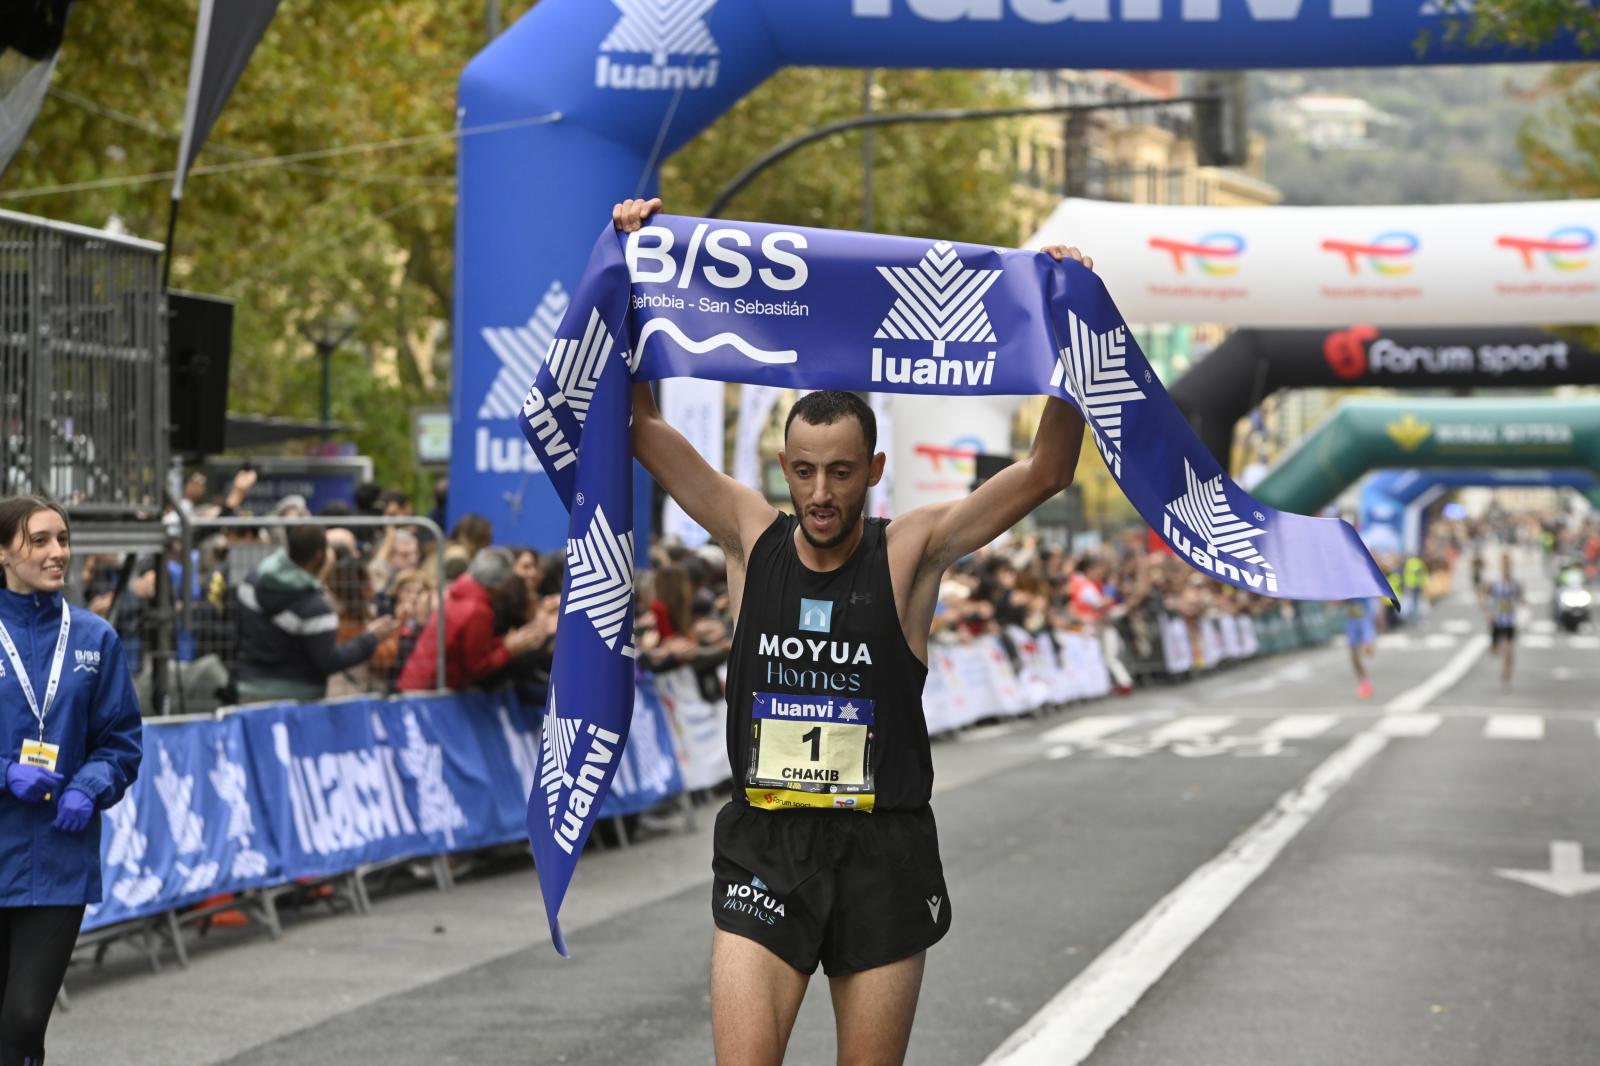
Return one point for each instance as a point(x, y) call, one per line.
point(1068, 1027)
point(1091, 728)
point(1191, 727)
point(1540, 641)
point(1440, 641)
point(1415, 699)
point(1300, 726)
point(1514, 727)
point(1585, 642)
point(1457, 625)
point(1407, 725)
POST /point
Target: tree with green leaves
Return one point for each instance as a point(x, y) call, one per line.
point(1560, 146)
point(327, 188)
point(1522, 23)
point(952, 181)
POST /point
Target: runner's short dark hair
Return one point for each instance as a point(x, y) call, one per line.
point(826, 407)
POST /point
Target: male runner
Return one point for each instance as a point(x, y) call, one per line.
point(828, 851)
point(1501, 600)
point(1361, 632)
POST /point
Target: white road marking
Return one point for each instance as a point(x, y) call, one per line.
point(1514, 727)
point(1195, 725)
point(1300, 726)
point(1565, 876)
point(1541, 625)
point(1090, 728)
point(1068, 1027)
point(1539, 640)
point(1407, 725)
point(1394, 640)
point(1586, 642)
point(1456, 625)
point(1440, 640)
point(1416, 698)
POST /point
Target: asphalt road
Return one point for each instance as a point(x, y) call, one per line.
point(1250, 870)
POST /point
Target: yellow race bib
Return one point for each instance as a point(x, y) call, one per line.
point(810, 751)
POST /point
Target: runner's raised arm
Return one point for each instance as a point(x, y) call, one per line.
point(733, 514)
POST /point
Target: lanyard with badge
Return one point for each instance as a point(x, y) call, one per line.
point(37, 752)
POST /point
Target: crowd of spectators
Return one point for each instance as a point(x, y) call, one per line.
point(321, 611)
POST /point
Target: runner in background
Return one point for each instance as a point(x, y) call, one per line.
point(1501, 599)
point(1361, 631)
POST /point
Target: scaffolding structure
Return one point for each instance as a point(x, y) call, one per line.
point(83, 369)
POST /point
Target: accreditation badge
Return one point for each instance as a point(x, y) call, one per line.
point(38, 753)
point(810, 751)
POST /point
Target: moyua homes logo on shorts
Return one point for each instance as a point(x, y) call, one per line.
point(661, 30)
point(938, 300)
point(1203, 528)
point(816, 616)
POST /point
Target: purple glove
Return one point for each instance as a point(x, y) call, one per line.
point(31, 784)
point(73, 815)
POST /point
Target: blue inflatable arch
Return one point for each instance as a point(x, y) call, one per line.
point(579, 102)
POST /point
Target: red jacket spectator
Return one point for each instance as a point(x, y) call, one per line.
point(472, 650)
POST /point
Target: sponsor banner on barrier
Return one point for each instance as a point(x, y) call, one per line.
point(268, 795)
point(194, 823)
point(699, 729)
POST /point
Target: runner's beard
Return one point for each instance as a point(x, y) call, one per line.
point(850, 517)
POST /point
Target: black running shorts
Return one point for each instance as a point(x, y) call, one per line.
point(853, 891)
point(1501, 634)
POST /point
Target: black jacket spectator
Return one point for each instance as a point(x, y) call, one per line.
point(288, 629)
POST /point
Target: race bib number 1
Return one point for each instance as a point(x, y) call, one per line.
point(810, 751)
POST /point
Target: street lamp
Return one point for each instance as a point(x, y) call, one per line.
point(326, 335)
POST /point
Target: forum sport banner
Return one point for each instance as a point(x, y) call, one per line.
point(819, 309)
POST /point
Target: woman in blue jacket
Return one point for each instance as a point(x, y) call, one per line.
point(69, 748)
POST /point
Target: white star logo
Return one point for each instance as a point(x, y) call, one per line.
point(847, 713)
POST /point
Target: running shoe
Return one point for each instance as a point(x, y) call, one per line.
point(1364, 690)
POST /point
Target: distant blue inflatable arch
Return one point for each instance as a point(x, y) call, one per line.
point(1392, 500)
point(627, 83)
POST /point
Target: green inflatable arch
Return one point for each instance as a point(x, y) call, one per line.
point(1365, 435)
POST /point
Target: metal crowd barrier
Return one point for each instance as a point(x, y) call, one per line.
point(196, 646)
point(83, 386)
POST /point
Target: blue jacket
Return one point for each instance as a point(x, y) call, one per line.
point(95, 720)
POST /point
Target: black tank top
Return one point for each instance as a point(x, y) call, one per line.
point(824, 693)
